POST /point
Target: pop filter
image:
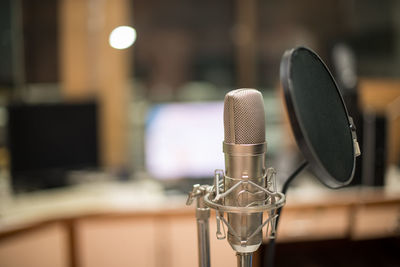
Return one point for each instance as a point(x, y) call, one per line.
point(321, 125)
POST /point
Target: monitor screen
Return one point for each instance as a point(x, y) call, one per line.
point(52, 137)
point(184, 140)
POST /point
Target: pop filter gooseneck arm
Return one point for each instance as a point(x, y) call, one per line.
point(291, 178)
point(271, 245)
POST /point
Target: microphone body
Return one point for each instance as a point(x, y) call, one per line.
point(244, 148)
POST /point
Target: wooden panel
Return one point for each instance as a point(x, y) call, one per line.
point(75, 55)
point(184, 250)
point(43, 247)
point(375, 221)
point(117, 242)
point(383, 96)
point(377, 94)
point(112, 77)
point(183, 241)
point(91, 68)
point(393, 116)
point(314, 224)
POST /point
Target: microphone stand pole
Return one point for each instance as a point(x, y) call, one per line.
point(203, 235)
point(202, 218)
point(244, 259)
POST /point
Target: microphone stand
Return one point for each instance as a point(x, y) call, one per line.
point(202, 218)
point(244, 259)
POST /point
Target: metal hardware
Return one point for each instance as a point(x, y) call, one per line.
point(202, 218)
point(357, 151)
point(213, 197)
point(273, 200)
point(244, 259)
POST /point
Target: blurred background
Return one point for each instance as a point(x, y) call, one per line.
point(111, 110)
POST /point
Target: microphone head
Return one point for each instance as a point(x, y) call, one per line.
point(244, 119)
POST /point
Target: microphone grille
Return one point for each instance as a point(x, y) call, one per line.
point(244, 119)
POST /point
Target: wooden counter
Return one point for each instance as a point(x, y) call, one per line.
point(135, 224)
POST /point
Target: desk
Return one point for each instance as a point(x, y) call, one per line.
point(136, 224)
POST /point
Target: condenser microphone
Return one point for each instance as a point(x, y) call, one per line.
point(244, 148)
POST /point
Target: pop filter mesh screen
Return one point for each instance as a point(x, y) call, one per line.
point(321, 114)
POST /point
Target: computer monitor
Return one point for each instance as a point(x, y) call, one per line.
point(184, 140)
point(46, 140)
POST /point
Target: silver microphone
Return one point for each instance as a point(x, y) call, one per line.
point(244, 147)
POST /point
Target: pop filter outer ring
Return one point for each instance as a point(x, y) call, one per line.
point(299, 129)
